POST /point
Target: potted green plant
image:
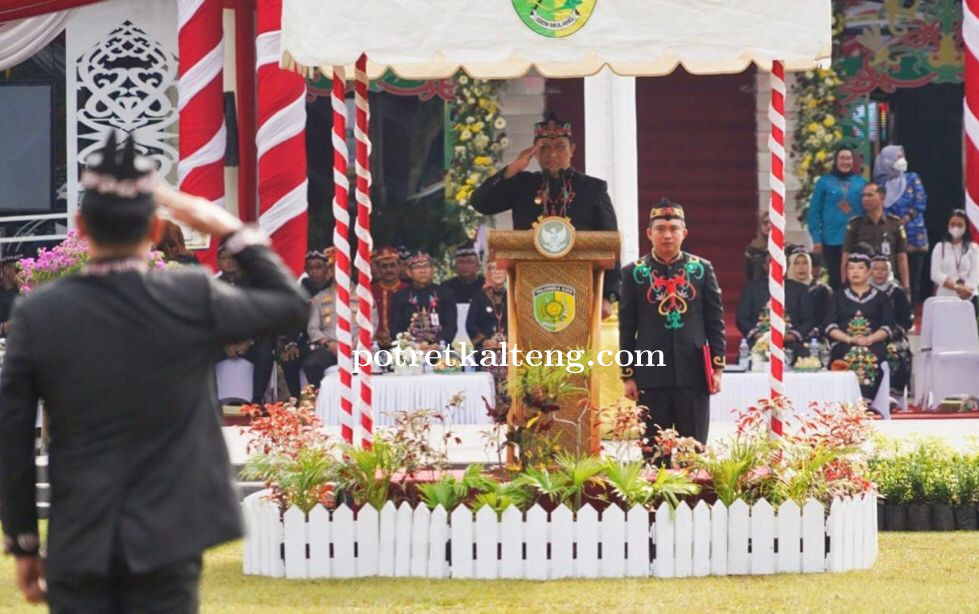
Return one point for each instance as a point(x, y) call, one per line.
point(543, 387)
point(893, 485)
point(967, 492)
point(919, 510)
point(940, 488)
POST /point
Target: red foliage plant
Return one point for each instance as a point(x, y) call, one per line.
point(283, 428)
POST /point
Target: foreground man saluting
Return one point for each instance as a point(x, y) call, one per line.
point(122, 356)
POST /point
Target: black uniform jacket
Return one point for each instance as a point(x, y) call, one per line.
point(138, 467)
point(591, 208)
point(402, 309)
point(675, 308)
point(800, 319)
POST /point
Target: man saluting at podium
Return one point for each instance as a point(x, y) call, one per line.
point(557, 189)
point(671, 302)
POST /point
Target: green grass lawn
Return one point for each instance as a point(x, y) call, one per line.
point(915, 572)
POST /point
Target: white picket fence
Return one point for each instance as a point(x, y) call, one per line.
point(707, 540)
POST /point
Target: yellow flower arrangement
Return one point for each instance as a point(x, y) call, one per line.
point(477, 129)
point(818, 131)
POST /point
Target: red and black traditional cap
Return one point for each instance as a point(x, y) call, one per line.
point(858, 257)
point(551, 128)
point(116, 175)
point(466, 249)
point(385, 253)
point(327, 255)
point(665, 209)
point(419, 259)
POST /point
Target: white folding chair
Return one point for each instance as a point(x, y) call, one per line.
point(921, 361)
point(882, 402)
point(234, 380)
point(954, 362)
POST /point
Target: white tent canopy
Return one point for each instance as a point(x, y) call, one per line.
point(432, 39)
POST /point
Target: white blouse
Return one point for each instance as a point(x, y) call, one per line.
point(948, 260)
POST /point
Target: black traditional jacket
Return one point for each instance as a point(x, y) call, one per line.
point(675, 308)
point(589, 208)
point(431, 298)
point(753, 309)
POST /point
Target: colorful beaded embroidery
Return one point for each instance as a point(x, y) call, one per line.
point(670, 294)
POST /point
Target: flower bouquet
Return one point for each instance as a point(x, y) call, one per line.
point(63, 260)
point(761, 352)
point(404, 348)
point(808, 364)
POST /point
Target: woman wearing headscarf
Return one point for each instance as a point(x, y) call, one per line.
point(898, 348)
point(835, 200)
point(757, 249)
point(799, 268)
point(955, 261)
point(905, 198)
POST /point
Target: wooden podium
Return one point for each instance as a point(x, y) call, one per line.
point(562, 281)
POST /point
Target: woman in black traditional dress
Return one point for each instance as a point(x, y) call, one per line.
point(859, 324)
point(898, 349)
point(800, 269)
point(486, 324)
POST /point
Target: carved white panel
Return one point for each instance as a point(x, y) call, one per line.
point(122, 75)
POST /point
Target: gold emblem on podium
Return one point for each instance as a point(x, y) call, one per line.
point(553, 236)
point(554, 306)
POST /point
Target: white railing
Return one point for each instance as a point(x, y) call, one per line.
point(706, 540)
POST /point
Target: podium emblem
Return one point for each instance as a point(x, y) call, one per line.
point(553, 236)
point(554, 306)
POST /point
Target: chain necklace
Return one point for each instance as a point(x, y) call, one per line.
point(560, 205)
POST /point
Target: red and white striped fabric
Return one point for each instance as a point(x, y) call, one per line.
point(970, 34)
point(281, 143)
point(364, 246)
point(200, 169)
point(341, 241)
point(776, 238)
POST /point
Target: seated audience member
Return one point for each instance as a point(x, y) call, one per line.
point(259, 352)
point(404, 254)
point(486, 322)
point(9, 289)
point(757, 250)
point(294, 349)
point(859, 324)
point(322, 332)
point(384, 289)
point(799, 267)
point(424, 309)
point(898, 349)
point(955, 261)
point(172, 245)
point(753, 317)
point(467, 281)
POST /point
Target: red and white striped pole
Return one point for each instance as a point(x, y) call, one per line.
point(200, 169)
point(970, 34)
point(341, 241)
point(281, 142)
point(776, 239)
point(364, 246)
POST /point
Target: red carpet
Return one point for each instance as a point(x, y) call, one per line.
point(934, 415)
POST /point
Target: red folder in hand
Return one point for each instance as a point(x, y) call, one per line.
point(709, 370)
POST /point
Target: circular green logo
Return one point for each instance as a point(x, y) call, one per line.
point(554, 18)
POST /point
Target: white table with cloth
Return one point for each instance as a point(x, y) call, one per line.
point(409, 392)
point(742, 390)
